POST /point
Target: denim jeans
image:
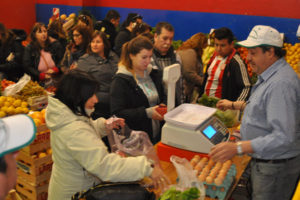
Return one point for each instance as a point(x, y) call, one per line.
point(272, 181)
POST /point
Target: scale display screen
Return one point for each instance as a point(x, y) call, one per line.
point(209, 131)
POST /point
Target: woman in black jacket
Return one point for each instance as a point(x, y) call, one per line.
point(41, 57)
point(137, 89)
point(11, 53)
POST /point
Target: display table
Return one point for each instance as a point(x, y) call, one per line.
point(241, 163)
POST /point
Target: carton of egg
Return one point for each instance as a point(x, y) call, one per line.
point(217, 177)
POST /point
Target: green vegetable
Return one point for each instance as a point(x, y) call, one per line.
point(228, 117)
point(208, 101)
point(173, 194)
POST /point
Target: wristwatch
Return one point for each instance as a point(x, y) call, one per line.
point(239, 148)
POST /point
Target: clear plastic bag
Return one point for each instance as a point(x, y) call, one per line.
point(186, 176)
point(15, 88)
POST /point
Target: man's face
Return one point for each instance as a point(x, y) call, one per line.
point(223, 48)
point(258, 59)
point(8, 180)
point(115, 22)
point(163, 41)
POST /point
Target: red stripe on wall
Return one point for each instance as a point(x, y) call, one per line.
point(268, 8)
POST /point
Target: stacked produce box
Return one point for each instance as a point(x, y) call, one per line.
point(34, 163)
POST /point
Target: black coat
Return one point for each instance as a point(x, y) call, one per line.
point(123, 36)
point(108, 28)
point(31, 58)
point(12, 69)
point(128, 101)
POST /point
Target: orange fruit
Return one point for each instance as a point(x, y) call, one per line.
point(42, 154)
point(37, 122)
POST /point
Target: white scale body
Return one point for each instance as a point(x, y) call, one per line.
point(199, 134)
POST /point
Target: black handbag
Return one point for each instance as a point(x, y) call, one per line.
point(116, 191)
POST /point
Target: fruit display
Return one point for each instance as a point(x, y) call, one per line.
point(176, 44)
point(216, 176)
point(207, 54)
point(31, 89)
point(11, 106)
point(243, 51)
point(5, 83)
point(38, 117)
point(293, 55)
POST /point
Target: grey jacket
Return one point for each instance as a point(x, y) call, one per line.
point(103, 70)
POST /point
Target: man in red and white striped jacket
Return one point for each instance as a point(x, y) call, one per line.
point(226, 76)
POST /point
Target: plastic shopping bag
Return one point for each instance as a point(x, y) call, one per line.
point(188, 186)
point(15, 88)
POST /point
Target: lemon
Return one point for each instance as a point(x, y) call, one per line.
point(10, 99)
point(19, 110)
point(7, 103)
point(4, 109)
point(17, 103)
point(11, 110)
point(24, 104)
point(3, 98)
point(2, 114)
point(25, 110)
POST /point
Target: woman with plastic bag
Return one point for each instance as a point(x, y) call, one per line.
point(80, 158)
point(137, 89)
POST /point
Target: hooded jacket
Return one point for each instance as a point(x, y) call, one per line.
point(80, 158)
point(128, 100)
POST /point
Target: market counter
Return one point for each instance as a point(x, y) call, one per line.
point(240, 162)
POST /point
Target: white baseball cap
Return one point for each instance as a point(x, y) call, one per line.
point(262, 35)
point(16, 132)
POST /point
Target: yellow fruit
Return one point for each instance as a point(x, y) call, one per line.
point(24, 104)
point(25, 110)
point(72, 15)
point(49, 151)
point(63, 17)
point(11, 110)
point(4, 109)
point(19, 110)
point(10, 99)
point(42, 154)
point(2, 114)
point(2, 98)
point(37, 122)
point(17, 103)
point(7, 103)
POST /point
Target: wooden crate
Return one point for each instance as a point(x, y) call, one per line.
point(31, 192)
point(34, 180)
point(34, 166)
point(41, 142)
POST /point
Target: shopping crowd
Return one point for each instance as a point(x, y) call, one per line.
point(100, 72)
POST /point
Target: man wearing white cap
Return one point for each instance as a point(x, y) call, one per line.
point(270, 127)
point(16, 132)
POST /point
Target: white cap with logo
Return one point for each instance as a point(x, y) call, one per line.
point(262, 35)
point(16, 132)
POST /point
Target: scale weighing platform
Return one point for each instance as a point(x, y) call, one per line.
point(193, 127)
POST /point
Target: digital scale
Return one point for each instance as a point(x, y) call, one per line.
point(191, 127)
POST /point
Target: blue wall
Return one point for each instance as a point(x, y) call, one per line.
point(187, 23)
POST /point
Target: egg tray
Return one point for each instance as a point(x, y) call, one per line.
point(220, 191)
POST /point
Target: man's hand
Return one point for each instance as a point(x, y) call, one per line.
point(223, 151)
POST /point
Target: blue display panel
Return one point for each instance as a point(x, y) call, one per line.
point(209, 131)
